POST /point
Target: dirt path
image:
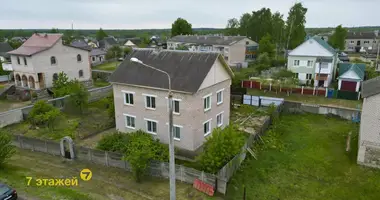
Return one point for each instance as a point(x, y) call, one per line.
point(106, 182)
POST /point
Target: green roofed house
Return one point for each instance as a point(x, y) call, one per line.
point(350, 76)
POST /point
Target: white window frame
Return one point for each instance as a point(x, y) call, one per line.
point(176, 126)
point(203, 103)
point(146, 103)
point(296, 63)
point(174, 99)
point(125, 100)
point(311, 63)
point(126, 121)
point(146, 126)
point(209, 132)
point(311, 76)
point(221, 91)
point(221, 119)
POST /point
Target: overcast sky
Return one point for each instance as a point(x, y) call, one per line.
point(144, 14)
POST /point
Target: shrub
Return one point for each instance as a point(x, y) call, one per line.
point(141, 150)
point(312, 83)
point(78, 99)
point(60, 85)
point(114, 142)
point(43, 113)
point(6, 147)
point(111, 108)
point(220, 148)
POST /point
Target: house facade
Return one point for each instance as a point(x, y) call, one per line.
point(38, 61)
point(201, 95)
point(369, 138)
point(97, 56)
point(314, 60)
point(237, 50)
point(358, 41)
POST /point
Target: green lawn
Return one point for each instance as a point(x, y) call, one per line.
point(2, 86)
point(304, 157)
point(6, 105)
point(106, 182)
point(111, 66)
point(101, 83)
point(321, 100)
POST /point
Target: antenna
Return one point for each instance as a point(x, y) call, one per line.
point(72, 25)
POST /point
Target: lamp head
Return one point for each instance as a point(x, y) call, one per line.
point(135, 60)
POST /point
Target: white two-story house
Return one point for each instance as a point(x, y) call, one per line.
point(201, 92)
point(237, 50)
point(314, 59)
point(38, 61)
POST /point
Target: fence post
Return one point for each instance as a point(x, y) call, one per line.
point(182, 174)
point(358, 95)
point(250, 84)
point(302, 90)
point(106, 154)
point(125, 165)
point(260, 85)
point(202, 176)
point(20, 140)
point(46, 147)
point(270, 86)
point(162, 169)
point(327, 91)
point(314, 90)
point(89, 155)
point(32, 146)
point(242, 84)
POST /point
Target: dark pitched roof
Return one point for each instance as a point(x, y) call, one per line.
point(186, 69)
point(80, 44)
point(206, 39)
point(36, 44)
point(97, 52)
point(357, 68)
point(4, 48)
point(371, 87)
point(361, 35)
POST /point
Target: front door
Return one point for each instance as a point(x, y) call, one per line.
point(321, 83)
point(41, 80)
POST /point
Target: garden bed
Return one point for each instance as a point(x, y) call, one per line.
point(249, 118)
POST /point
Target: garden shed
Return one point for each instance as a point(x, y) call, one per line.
point(350, 76)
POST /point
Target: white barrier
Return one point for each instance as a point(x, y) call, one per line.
point(261, 101)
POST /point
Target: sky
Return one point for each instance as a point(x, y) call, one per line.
point(149, 14)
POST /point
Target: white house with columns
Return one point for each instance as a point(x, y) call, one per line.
point(38, 61)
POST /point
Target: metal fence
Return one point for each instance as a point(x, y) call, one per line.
point(111, 159)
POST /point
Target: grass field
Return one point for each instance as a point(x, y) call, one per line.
point(6, 105)
point(95, 119)
point(307, 160)
point(106, 183)
point(308, 98)
point(111, 66)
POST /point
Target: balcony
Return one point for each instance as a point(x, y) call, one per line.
point(326, 68)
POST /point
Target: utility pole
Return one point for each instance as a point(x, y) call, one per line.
point(377, 56)
point(319, 73)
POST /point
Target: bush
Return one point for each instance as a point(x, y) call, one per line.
point(61, 85)
point(43, 113)
point(6, 147)
point(114, 142)
point(78, 99)
point(220, 148)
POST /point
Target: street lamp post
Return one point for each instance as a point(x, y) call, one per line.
point(171, 137)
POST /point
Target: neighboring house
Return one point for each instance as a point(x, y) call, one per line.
point(38, 61)
point(93, 44)
point(350, 76)
point(201, 91)
point(369, 138)
point(97, 56)
point(357, 41)
point(237, 50)
point(306, 59)
point(132, 42)
point(80, 44)
point(4, 48)
point(107, 43)
point(156, 41)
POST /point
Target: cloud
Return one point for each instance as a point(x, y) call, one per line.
point(127, 14)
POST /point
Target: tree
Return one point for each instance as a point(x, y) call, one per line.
point(260, 24)
point(181, 27)
point(61, 85)
point(244, 24)
point(14, 43)
point(182, 47)
point(295, 25)
point(266, 46)
point(141, 150)
point(338, 38)
point(68, 37)
point(127, 50)
point(54, 30)
point(232, 27)
point(220, 148)
point(114, 52)
point(2, 72)
point(278, 35)
point(6, 147)
point(78, 99)
point(114, 142)
point(100, 34)
point(283, 74)
point(44, 114)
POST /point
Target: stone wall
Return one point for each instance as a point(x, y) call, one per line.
point(10, 117)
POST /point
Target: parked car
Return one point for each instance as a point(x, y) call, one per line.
point(7, 193)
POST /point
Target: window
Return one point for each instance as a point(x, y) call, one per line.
point(25, 62)
point(130, 121)
point(296, 63)
point(93, 58)
point(55, 76)
point(295, 75)
point(175, 106)
point(151, 126)
point(18, 60)
point(374, 41)
point(150, 102)
point(80, 73)
point(177, 132)
point(308, 76)
point(219, 119)
point(207, 102)
point(128, 98)
point(207, 128)
point(79, 58)
point(352, 42)
point(53, 61)
point(219, 97)
point(366, 42)
point(309, 63)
